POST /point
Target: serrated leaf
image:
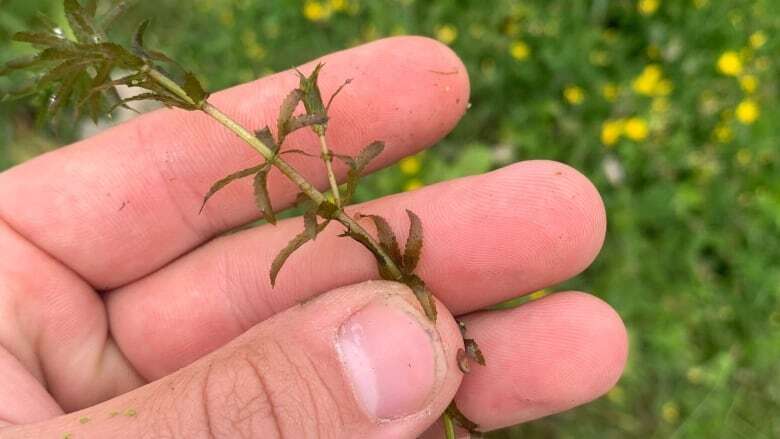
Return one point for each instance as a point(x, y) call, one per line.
point(138, 36)
point(305, 120)
point(414, 243)
point(357, 165)
point(310, 222)
point(454, 412)
point(118, 54)
point(423, 295)
point(286, 111)
point(60, 96)
point(312, 98)
point(63, 70)
point(292, 246)
point(267, 138)
point(81, 22)
point(229, 179)
point(90, 7)
point(262, 198)
point(387, 239)
point(117, 10)
point(40, 39)
point(473, 351)
point(194, 89)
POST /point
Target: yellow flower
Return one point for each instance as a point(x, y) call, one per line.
point(519, 50)
point(338, 5)
point(747, 111)
point(723, 133)
point(410, 165)
point(647, 81)
point(636, 129)
point(574, 94)
point(610, 92)
point(611, 130)
point(316, 11)
point(648, 7)
point(749, 83)
point(729, 63)
point(447, 33)
point(670, 412)
point(757, 39)
point(413, 184)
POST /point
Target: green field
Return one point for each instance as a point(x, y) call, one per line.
point(670, 107)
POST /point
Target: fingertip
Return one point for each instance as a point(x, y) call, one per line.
point(545, 357)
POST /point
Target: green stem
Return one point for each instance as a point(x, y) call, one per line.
point(334, 186)
point(449, 426)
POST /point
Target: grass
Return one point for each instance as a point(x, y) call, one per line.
point(670, 107)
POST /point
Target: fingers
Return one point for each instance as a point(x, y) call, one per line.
point(487, 238)
point(132, 195)
point(544, 357)
point(358, 362)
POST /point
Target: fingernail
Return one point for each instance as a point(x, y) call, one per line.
point(390, 358)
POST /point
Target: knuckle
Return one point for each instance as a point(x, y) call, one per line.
point(272, 391)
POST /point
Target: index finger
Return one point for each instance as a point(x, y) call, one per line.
point(122, 204)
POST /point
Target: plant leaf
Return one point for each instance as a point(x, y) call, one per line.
point(63, 70)
point(357, 165)
point(138, 36)
point(267, 138)
point(305, 120)
point(292, 246)
point(60, 96)
point(414, 243)
point(286, 111)
point(116, 11)
point(387, 239)
point(262, 198)
point(312, 99)
point(463, 361)
point(194, 88)
point(41, 39)
point(473, 351)
point(81, 23)
point(229, 179)
point(91, 8)
point(460, 418)
point(423, 295)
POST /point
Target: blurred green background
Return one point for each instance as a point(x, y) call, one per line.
point(670, 107)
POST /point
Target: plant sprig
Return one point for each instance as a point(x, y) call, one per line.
point(79, 72)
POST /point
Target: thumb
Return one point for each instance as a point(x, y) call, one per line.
point(360, 361)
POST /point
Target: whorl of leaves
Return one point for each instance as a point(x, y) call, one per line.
point(78, 71)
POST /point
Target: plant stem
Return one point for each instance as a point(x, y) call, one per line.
point(449, 426)
point(286, 169)
point(334, 186)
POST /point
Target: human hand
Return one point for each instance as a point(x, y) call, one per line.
point(119, 309)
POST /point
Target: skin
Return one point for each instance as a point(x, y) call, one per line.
point(111, 279)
